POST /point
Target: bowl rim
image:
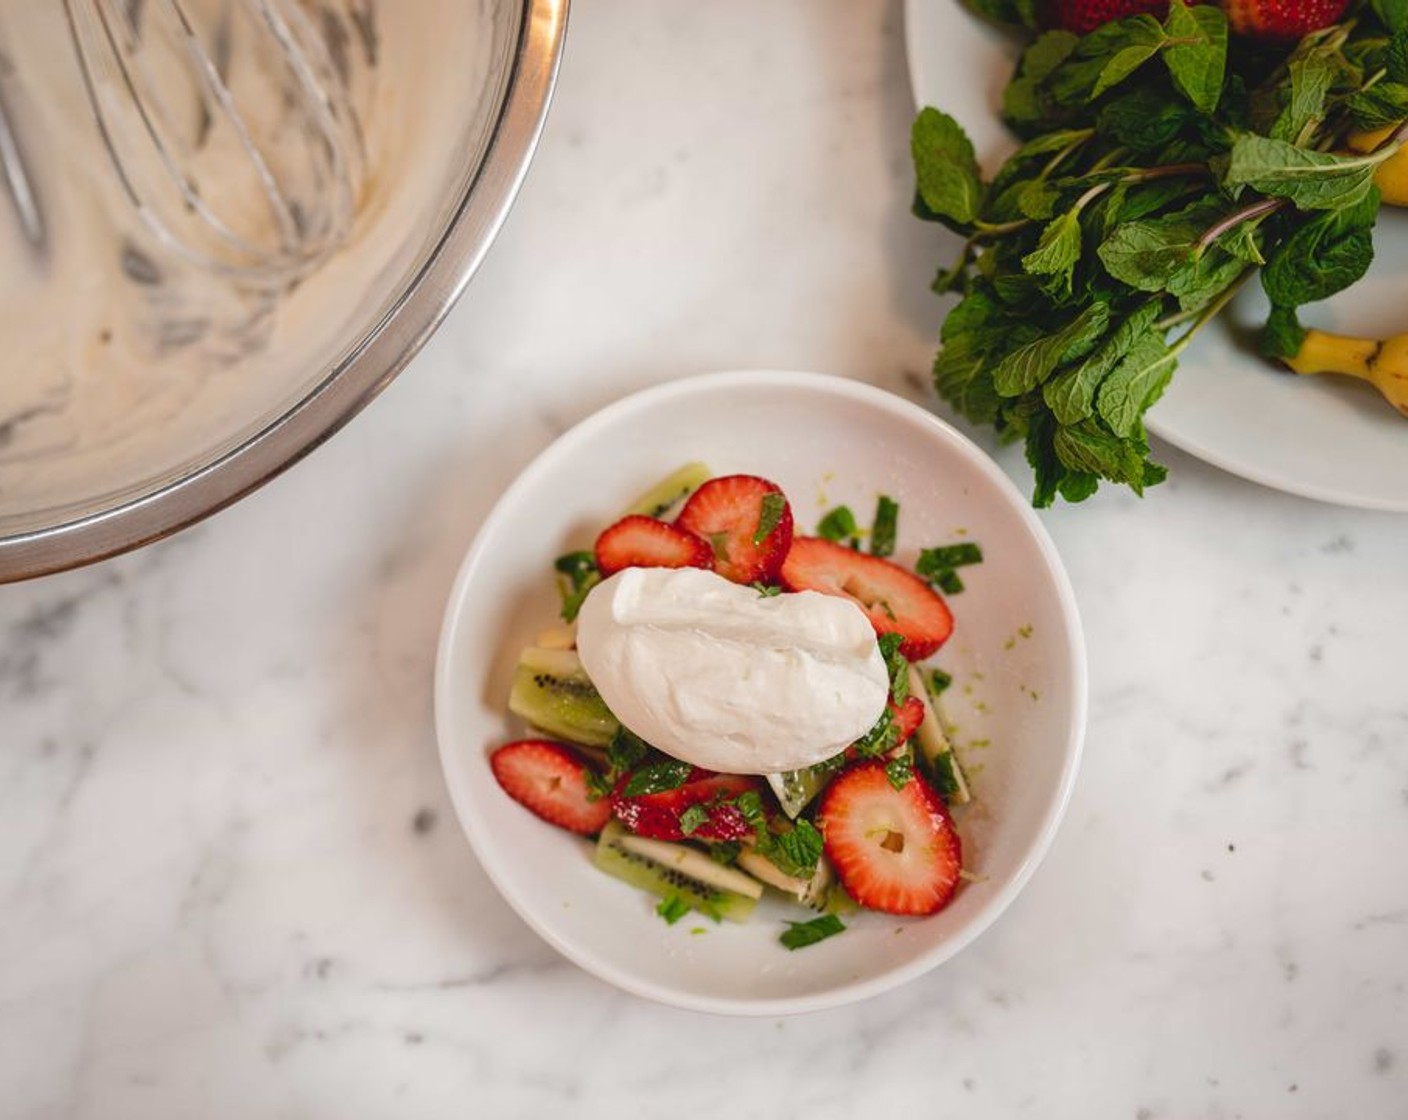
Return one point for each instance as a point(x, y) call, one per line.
point(1072, 746)
point(373, 362)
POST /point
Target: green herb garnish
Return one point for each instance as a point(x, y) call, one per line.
point(581, 574)
point(769, 515)
point(799, 935)
point(656, 777)
point(1163, 165)
point(693, 818)
point(885, 526)
point(672, 908)
point(899, 771)
point(838, 525)
point(938, 565)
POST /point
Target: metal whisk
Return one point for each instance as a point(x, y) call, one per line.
point(229, 125)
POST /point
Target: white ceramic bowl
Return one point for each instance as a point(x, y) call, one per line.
point(1017, 659)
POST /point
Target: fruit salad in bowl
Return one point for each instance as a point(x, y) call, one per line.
point(780, 732)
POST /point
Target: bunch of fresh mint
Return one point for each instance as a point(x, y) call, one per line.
point(1162, 165)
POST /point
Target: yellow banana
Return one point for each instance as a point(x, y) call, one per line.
point(1381, 362)
point(1392, 175)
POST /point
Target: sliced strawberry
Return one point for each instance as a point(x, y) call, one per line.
point(1282, 19)
point(643, 542)
point(550, 779)
point(894, 850)
point(896, 601)
point(1084, 16)
point(657, 815)
point(729, 512)
point(907, 718)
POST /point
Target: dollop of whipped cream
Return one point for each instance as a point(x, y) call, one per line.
point(720, 676)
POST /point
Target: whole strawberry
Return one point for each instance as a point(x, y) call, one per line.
point(1084, 16)
point(1282, 19)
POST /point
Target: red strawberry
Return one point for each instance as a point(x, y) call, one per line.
point(907, 717)
point(643, 542)
point(728, 513)
point(896, 601)
point(894, 850)
point(551, 780)
point(1084, 16)
point(1282, 19)
point(657, 815)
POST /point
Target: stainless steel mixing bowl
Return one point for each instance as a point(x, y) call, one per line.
point(146, 413)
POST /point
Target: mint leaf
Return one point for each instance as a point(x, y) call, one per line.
point(1058, 251)
point(885, 526)
point(896, 664)
point(1393, 14)
point(794, 851)
point(1071, 393)
point(838, 525)
point(1028, 366)
point(672, 909)
point(769, 514)
point(1135, 383)
point(802, 934)
point(1087, 449)
point(1382, 106)
point(693, 818)
point(658, 777)
point(582, 575)
point(1311, 80)
point(1324, 256)
point(1146, 254)
point(1282, 336)
point(948, 178)
point(1197, 60)
point(938, 681)
point(899, 771)
point(1122, 64)
point(1310, 180)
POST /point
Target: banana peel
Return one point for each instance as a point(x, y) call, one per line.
point(1381, 362)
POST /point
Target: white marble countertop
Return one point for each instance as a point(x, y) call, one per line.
point(230, 882)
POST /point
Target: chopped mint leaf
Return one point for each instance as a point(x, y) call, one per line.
point(948, 556)
point(624, 753)
point(938, 681)
point(672, 909)
point(899, 771)
point(598, 785)
point(885, 526)
point(769, 515)
point(750, 805)
point(582, 575)
point(725, 852)
point(943, 774)
point(794, 852)
point(896, 664)
point(880, 738)
point(837, 525)
point(693, 818)
point(658, 777)
point(766, 590)
point(937, 564)
point(802, 934)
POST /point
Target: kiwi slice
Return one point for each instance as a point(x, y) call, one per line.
point(666, 870)
point(552, 691)
point(670, 490)
point(812, 892)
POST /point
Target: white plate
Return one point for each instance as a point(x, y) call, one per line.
point(1328, 438)
point(1017, 658)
